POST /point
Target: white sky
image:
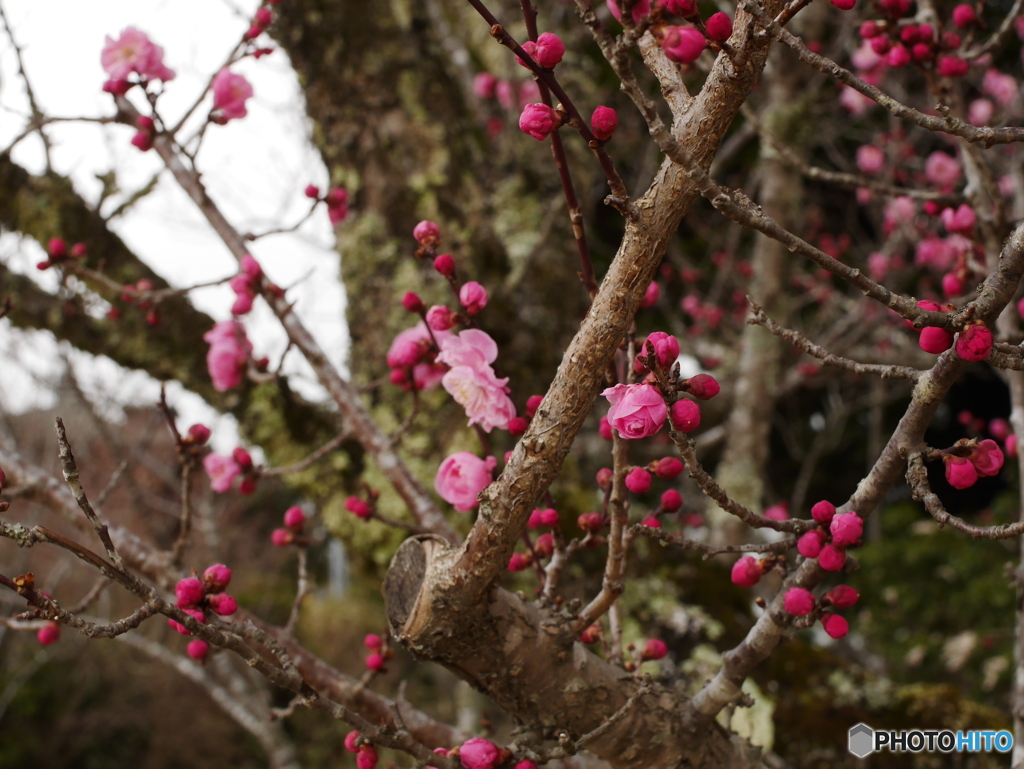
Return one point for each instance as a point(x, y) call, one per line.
point(255, 169)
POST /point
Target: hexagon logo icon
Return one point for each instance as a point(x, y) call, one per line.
point(861, 740)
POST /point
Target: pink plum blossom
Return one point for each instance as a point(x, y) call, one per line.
point(870, 160)
point(654, 649)
point(685, 415)
point(960, 220)
point(1001, 87)
point(846, 529)
point(188, 592)
point(640, 9)
point(548, 50)
point(638, 480)
point(473, 297)
point(197, 649)
point(671, 501)
point(667, 468)
point(835, 625)
point(683, 44)
point(217, 577)
point(935, 340)
point(603, 123)
point(471, 380)
point(479, 753)
point(134, 52)
point(798, 601)
point(221, 470)
point(637, 410)
point(842, 596)
point(974, 343)
point(987, 458)
point(48, 634)
point(810, 544)
point(942, 170)
point(230, 92)
point(228, 354)
point(832, 558)
point(461, 477)
point(719, 27)
point(960, 472)
point(538, 120)
point(747, 571)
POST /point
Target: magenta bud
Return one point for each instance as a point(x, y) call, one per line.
point(412, 303)
point(197, 649)
point(217, 577)
point(719, 27)
point(799, 601)
point(654, 649)
point(189, 592)
point(445, 265)
point(198, 434)
point(294, 518)
point(603, 123)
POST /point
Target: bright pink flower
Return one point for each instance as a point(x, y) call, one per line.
point(685, 415)
point(367, 757)
point(935, 340)
point(638, 480)
point(228, 354)
point(603, 123)
point(832, 558)
point(534, 521)
point(683, 44)
point(703, 386)
point(666, 348)
point(654, 649)
point(747, 571)
point(375, 662)
point(294, 518)
point(719, 27)
point(548, 50)
point(134, 52)
point(870, 160)
point(640, 9)
point(359, 508)
point(846, 529)
point(373, 642)
point(197, 649)
point(637, 410)
point(221, 470)
point(410, 347)
point(964, 16)
point(461, 477)
point(952, 66)
point(517, 426)
point(987, 458)
point(842, 596)
point(590, 522)
point(683, 8)
point(197, 435)
point(942, 170)
point(282, 537)
point(952, 284)
point(412, 302)
point(230, 92)
point(539, 120)
point(960, 472)
point(217, 577)
point(545, 545)
point(671, 501)
point(188, 592)
point(519, 562)
point(48, 633)
point(651, 522)
point(898, 211)
point(351, 741)
point(999, 428)
point(844, 5)
point(779, 512)
point(798, 601)
point(959, 220)
point(980, 111)
point(471, 380)
point(479, 753)
point(223, 604)
point(668, 468)
point(473, 297)
point(810, 544)
point(834, 625)
point(974, 343)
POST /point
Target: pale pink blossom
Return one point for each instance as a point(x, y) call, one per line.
point(637, 411)
point(230, 92)
point(898, 211)
point(479, 753)
point(473, 297)
point(1001, 87)
point(853, 101)
point(870, 160)
point(228, 354)
point(942, 170)
point(221, 470)
point(683, 44)
point(980, 112)
point(471, 380)
point(461, 477)
point(134, 52)
point(961, 219)
point(640, 9)
point(411, 347)
point(865, 57)
point(937, 253)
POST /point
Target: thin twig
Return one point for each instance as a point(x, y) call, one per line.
point(681, 540)
point(309, 460)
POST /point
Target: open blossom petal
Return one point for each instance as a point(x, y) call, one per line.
point(133, 51)
point(461, 478)
point(230, 92)
point(471, 380)
point(228, 354)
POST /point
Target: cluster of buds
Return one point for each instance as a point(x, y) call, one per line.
point(366, 753)
point(973, 343)
point(971, 459)
point(361, 508)
point(146, 133)
point(291, 534)
point(800, 602)
point(138, 294)
point(835, 533)
point(900, 45)
point(547, 51)
point(197, 597)
point(380, 653)
point(518, 425)
point(544, 545)
point(336, 200)
point(57, 251)
point(246, 285)
point(223, 470)
point(264, 18)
